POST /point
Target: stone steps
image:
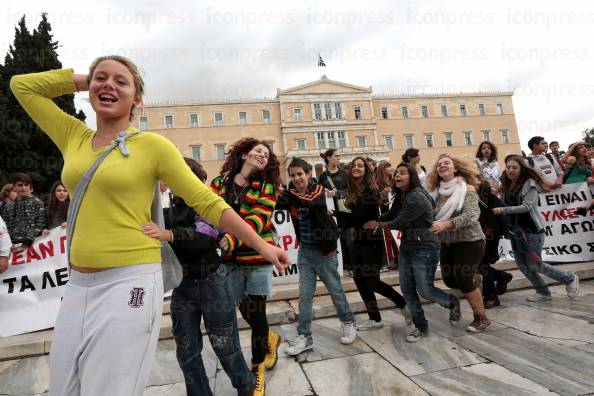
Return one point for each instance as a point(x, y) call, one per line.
point(283, 307)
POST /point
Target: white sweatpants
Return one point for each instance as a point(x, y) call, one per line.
point(106, 332)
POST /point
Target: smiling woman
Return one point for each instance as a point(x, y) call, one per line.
point(108, 324)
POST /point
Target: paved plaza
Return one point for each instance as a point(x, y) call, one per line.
point(533, 348)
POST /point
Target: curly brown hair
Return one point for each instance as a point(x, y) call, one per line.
point(465, 169)
point(234, 162)
point(479, 151)
point(356, 189)
point(526, 172)
point(580, 161)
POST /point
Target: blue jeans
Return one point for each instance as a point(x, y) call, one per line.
point(531, 269)
point(211, 297)
point(416, 267)
point(312, 263)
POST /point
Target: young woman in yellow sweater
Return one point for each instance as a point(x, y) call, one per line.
point(108, 325)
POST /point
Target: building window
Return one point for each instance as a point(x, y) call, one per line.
point(362, 141)
point(404, 111)
point(486, 135)
point(357, 112)
point(338, 110)
point(270, 144)
point(424, 111)
point(266, 116)
point(499, 108)
point(463, 110)
point(318, 111)
point(143, 123)
point(384, 111)
point(168, 121)
point(409, 141)
point(429, 139)
point(321, 140)
point(468, 138)
point(327, 111)
point(196, 152)
point(449, 141)
point(220, 151)
point(389, 141)
point(193, 120)
point(504, 136)
point(481, 109)
point(331, 139)
point(300, 144)
point(341, 138)
point(218, 119)
point(444, 110)
point(242, 117)
point(297, 114)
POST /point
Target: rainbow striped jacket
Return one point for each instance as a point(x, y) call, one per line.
point(256, 209)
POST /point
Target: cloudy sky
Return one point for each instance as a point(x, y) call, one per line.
point(190, 50)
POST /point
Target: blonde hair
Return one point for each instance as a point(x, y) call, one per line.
point(131, 66)
point(465, 169)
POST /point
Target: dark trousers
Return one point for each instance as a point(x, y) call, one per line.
point(253, 310)
point(209, 297)
point(366, 261)
point(490, 274)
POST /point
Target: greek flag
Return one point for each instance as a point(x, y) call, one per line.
point(321, 61)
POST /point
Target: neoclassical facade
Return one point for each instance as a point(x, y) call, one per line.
point(305, 120)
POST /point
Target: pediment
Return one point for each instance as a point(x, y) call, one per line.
point(323, 86)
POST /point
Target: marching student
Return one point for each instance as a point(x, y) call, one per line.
point(452, 184)
point(419, 249)
point(107, 328)
point(486, 160)
point(57, 207)
point(520, 191)
point(248, 183)
point(368, 246)
point(317, 235)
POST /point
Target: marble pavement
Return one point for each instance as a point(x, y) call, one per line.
point(542, 348)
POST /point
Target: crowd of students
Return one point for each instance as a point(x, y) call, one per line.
point(452, 215)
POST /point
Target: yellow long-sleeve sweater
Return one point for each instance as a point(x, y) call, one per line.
point(118, 199)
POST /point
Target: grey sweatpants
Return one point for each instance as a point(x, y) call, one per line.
point(106, 332)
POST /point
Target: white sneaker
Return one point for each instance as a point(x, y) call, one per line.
point(349, 332)
point(416, 335)
point(406, 313)
point(573, 288)
point(370, 325)
point(538, 297)
point(300, 344)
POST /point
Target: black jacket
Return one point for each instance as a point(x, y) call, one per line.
point(365, 210)
point(324, 229)
point(196, 251)
point(414, 220)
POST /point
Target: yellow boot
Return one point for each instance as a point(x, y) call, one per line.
point(258, 371)
point(271, 357)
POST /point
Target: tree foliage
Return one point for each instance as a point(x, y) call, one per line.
point(23, 146)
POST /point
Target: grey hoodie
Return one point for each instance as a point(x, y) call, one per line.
point(528, 197)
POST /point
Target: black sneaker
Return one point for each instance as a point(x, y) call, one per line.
point(455, 313)
point(491, 303)
point(502, 284)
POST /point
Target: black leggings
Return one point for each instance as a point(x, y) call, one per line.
point(366, 261)
point(460, 262)
point(253, 310)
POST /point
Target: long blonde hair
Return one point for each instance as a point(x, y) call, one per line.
point(464, 168)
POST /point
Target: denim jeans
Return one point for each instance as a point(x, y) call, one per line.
point(531, 269)
point(312, 263)
point(209, 297)
point(416, 267)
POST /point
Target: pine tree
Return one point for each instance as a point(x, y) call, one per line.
point(23, 146)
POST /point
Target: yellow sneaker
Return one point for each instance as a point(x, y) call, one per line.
point(258, 371)
point(271, 357)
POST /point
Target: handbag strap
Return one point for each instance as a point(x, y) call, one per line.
point(81, 187)
point(331, 182)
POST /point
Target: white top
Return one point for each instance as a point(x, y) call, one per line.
point(422, 177)
point(5, 242)
point(547, 170)
point(490, 171)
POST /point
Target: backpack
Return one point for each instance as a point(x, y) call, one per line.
point(548, 155)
